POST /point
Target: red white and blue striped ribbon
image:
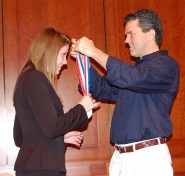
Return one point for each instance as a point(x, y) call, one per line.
point(83, 66)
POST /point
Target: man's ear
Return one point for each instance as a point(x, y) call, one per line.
point(151, 34)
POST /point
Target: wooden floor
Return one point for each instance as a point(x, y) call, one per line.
point(179, 174)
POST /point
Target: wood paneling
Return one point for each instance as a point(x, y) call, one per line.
point(2, 96)
point(88, 168)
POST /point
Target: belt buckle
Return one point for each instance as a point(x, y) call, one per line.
point(121, 151)
point(119, 148)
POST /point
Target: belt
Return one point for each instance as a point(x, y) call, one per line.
point(140, 145)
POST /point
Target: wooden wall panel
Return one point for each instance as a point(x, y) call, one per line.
point(22, 20)
point(2, 97)
point(173, 24)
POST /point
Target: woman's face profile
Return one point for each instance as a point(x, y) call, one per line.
point(61, 58)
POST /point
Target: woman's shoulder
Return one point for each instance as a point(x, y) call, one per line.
point(34, 77)
point(35, 73)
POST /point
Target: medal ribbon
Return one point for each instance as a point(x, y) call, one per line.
point(83, 66)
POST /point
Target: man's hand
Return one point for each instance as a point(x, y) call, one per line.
point(86, 47)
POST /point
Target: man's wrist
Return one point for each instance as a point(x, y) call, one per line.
point(100, 57)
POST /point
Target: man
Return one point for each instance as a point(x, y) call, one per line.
point(144, 93)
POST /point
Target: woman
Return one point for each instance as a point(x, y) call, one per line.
point(41, 128)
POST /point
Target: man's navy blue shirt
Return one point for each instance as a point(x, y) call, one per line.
point(144, 93)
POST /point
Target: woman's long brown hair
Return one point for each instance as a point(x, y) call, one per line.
point(43, 54)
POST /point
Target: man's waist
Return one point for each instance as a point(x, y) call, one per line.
point(131, 147)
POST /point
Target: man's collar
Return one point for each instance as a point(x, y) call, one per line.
point(155, 54)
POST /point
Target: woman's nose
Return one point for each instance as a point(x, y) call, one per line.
point(65, 61)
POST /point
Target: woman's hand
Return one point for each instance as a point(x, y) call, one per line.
point(73, 137)
point(89, 103)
